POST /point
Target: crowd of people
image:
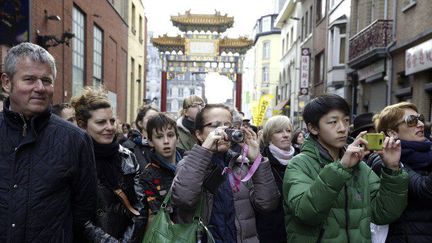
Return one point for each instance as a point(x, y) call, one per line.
point(71, 172)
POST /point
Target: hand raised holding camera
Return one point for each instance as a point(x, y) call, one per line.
point(355, 152)
point(251, 139)
point(391, 153)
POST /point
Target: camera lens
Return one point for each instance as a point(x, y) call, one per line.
point(237, 136)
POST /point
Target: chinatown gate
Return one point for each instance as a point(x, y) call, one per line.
point(200, 50)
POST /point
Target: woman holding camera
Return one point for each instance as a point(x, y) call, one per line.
point(402, 121)
point(211, 168)
point(279, 150)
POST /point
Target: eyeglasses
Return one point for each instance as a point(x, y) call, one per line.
point(201, 105)
point(412, 120)
point(215, 125)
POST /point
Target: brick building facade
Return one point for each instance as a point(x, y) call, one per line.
point(109, 19)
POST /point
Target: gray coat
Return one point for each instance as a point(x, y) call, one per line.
point(259, 193)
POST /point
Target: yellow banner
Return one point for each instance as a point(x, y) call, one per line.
point(264, 103)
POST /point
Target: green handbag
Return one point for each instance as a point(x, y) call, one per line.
point(163, 230)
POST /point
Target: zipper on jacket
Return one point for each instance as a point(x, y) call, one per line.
point(24, 133)
point(346, 214)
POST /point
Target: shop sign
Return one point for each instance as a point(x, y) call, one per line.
point(418, 58)
point(304, 68)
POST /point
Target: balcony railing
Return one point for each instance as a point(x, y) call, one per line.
point(375, 36)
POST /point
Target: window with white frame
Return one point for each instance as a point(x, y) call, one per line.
point(265, 75)
point(337, 46)
point(266, 24)
point(180, 92)
point(266, 50)
point(78, 54)
point(97, 56)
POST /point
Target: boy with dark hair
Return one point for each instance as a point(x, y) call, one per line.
point(159, 173)
point(330, 195)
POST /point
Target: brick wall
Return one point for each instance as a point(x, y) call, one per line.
point(101, 13)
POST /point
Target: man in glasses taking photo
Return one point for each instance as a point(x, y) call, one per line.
point(402, 121)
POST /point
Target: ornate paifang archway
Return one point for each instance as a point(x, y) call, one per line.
point(199, 53)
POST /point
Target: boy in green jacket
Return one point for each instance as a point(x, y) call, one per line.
point(330, 195)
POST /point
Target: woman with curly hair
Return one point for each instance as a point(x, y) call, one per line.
point(119, 212)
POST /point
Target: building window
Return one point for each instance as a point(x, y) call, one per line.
point(310, 19)
point(302, 29)
point(180, 92)
point(292, 36)
point(168, 106)
point(337, 45)
point(321, 9)
point(132, 82)
point(306, 24)
point(283, 47)
point(266, 24)
point(266, 50)
point(265, 75)
point(78, 52)
point(140, 81)
point(408, 4)
point(319, 68)
point(133, 19)
point(191, 91)
point(170, 92)
point(140, 29)
point(97, 56)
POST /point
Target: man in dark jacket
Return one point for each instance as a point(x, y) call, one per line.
point(47, 171)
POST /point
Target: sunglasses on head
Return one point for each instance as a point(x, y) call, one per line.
point(412, 120)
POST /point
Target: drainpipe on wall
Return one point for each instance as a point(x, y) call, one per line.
point(389, 59)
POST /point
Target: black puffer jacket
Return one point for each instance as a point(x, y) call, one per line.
point(114, 220)
point(47, 179)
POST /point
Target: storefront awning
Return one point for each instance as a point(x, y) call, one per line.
point(281, 104)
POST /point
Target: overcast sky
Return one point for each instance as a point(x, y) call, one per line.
point(245, 13)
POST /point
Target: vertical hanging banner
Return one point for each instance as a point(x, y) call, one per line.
point(263, 105)
point(304, 71)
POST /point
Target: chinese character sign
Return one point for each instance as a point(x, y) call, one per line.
point(418, 58)
point(304, 68)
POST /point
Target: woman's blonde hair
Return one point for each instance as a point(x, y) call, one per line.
point(390, 116)
point(273, 125)
point(188, 101)
point(90, 99)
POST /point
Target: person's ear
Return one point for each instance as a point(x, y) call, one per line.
point(6, 83)
point(313, 129)
point(392, 133)
point(82, 124)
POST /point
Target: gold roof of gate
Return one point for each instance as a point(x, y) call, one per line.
point(169, 43)
point(202, 22)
